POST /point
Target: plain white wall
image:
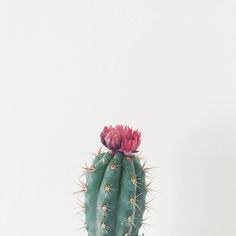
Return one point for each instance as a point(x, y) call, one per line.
point(67, 68)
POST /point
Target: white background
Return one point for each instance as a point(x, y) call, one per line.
point(167, 67)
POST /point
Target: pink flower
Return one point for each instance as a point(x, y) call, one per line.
point(130, 141)
point(111, 137)
point(120, 138)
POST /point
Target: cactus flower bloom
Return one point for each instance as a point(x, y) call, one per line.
point(120, 138)
point(111, 138)
point(130, 141)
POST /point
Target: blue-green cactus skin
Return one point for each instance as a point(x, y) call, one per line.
point(141, 194)
point(115, 196)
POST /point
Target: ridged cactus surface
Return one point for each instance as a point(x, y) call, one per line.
point(115, 188)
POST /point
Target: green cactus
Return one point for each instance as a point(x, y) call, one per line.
point(115, 195)
point(115, 188)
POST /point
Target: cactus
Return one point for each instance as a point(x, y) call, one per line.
point(115, 189)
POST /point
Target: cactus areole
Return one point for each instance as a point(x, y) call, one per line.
point(115, 188)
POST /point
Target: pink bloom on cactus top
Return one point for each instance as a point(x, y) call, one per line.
point(111, 138)
point(131, 140)
point(120, 138)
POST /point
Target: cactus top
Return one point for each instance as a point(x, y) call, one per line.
point(121, 139)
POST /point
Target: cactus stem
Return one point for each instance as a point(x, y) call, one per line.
point(112, 173)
